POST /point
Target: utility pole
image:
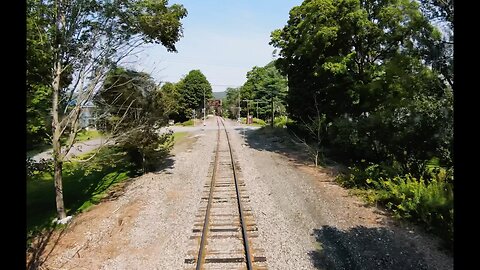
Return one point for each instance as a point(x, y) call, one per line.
point(273, 112)
point(193, 116)
point(248, 109)
point(258, 101)
point(204, 110)
point(239, 106)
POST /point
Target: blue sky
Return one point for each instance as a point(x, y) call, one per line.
point(222, 38)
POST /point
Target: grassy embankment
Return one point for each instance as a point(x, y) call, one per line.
point(84, 184)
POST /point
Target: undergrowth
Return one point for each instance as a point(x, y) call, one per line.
point(426, 200)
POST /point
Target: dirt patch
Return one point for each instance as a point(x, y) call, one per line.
point(184, 144)
point(91, 229)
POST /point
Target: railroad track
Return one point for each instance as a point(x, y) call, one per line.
point(224, 226)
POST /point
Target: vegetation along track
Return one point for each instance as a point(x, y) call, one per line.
point(224, 226)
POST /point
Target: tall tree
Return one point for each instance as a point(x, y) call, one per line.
point(38, 58)
point(193, 89)
point(265, 86)
point(132, 109)
point(438, 10)
point(125, 100)
point(231, 102)
point(85, 37)
point(440, 54)
point(355, 62)
point(169, 97)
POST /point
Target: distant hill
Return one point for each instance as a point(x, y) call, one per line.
point(219, 95)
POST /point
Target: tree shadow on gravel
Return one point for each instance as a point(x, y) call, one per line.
point(275, 140)
point(37, 253)
point(362, 248)
point(166, 165)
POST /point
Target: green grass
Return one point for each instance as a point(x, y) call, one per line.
point(84, 184)
point(256, 122)
point(282, 121)
point(86, 135)
point(269, 131)
point(186, 123)
point(178, 136)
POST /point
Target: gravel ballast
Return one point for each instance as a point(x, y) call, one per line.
point(304, 220)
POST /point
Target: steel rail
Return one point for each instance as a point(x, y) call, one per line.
point(201, 251)
point(240, 208)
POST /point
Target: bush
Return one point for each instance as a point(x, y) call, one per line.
point(429, 203)
point(146, 149)
point(359, 175)
point(36, 168)
point(426, 200)
point(282, 121)
point(259, 121)
point(188, 123)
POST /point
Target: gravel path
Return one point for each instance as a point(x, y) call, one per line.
point(304, 220)
point(77, 149)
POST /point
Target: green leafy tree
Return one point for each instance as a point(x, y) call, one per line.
point(265, 87)
point(231, 102)
point(440, 53)
point(132, 110)
point(192, 89)
point(438, 9)
point(126, 101)
point(334, 49)
point(38, 75)
point(169, 97)
point(365, 65)
point(83, 39)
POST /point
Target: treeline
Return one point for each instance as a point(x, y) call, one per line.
point(186, 98)
point(374, 81)
point(263, 92)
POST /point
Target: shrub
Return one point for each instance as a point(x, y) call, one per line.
point(145, 148)
point(282, 121)
point(188, 123)
point(426, 200)
point(36, 168)
point(429, 203)
point(359, 175)
point(259, 121)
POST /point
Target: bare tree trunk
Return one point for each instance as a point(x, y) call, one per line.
point(59, 190)
point(143, 163)
point(57, 148)
point(56, 126)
